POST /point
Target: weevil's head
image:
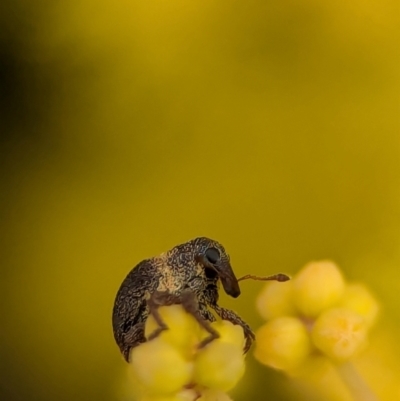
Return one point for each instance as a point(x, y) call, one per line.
point(212, 255)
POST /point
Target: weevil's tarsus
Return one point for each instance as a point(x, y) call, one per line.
point(226, 314)
point(133, 338)
point(275, 277)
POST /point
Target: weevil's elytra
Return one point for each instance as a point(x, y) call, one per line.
point(188, 274)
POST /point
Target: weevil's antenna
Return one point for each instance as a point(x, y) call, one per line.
point(274, 277)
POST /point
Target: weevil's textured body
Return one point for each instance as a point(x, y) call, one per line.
point(186, 274)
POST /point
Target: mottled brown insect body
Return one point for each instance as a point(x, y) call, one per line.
point(188, 274)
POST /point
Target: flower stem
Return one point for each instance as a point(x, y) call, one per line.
point(356, 385)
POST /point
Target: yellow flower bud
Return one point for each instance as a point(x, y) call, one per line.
point(214, 395)
point(220, 365)
point(339, 333)
point(357, 298)
point(184, 395)
point(276, 300)
point(229, 333)
point(282, 343)
point(318, 286)
point(182, 328)
point(187, 395)
point(160, 398)
point(159, 367)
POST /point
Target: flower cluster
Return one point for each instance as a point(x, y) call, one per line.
point(171, 367)
point(317, 313)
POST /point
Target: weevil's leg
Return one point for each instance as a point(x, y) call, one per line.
point(131, 339)
point(232, 317)
point(206, 314)
point(157, 299)
point(189, 302)
point(191, 306)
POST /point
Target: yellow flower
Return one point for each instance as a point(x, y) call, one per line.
point(219, 366)
point(172, 367)
point(316, 322)
point(282, 343)
point(339, 333)
point(214, 395)
point(160, 368)
point(357, 298)
point(318, 286)
point(332, 317)
point(276, 299)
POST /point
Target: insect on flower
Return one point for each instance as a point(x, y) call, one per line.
point(188, 274)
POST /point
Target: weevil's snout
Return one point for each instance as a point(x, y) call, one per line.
point(228, 280)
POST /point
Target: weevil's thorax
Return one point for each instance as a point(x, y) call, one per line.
point(178, 270)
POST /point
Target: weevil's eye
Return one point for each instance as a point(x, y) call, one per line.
point(212, 255)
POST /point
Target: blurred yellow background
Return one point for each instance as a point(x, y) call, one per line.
point(129, 127)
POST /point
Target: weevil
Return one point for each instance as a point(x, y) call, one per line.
point(188, 274)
